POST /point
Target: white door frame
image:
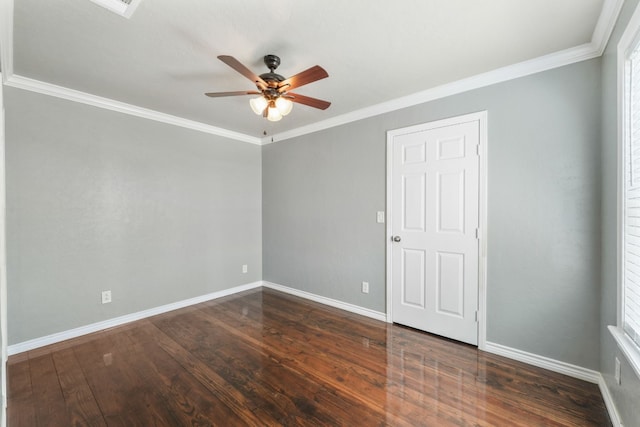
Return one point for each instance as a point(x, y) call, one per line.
point(482, 118)
point(3, 266)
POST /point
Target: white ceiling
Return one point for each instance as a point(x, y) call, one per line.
point(164, 57)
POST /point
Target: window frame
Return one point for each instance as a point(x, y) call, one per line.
point(629, 42)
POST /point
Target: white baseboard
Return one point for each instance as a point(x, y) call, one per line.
point(110, 323)
point(544, 362)
point(501, 350)
point(608, 402)
point(327, 301)
point(568, 369)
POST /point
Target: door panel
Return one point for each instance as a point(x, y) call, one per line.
point(413, 283)
point(450, 284)
point(414, 203)
point(450, 202)
point(435, 211)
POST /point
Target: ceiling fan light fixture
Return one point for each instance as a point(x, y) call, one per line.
point(284, 105)
point(273, 114)
point(275, 101)
point(258, 104)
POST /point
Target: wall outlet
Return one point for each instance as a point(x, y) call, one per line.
point(106, 297)
point(108, 359)
point(617, 372)
point(245, 268)
point(365, 287)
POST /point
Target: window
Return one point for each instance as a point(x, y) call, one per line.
point(627, 333)
point(631, 202)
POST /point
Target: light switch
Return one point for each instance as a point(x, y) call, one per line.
point(380, 217)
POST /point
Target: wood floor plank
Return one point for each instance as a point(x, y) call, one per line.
point(120, 394)
point(258, 373)
point(307, 362)
point(263, 358)
point(354, 354)
point(150, 388)
point(319, 359)
point(51, 409)
point(21, 409)
point(214, 382)
point(248, 372)
point(82, 406)
point(196, 403)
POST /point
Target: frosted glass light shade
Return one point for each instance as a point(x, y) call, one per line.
point(273, 115)
point(258, 104)
point(284, 106)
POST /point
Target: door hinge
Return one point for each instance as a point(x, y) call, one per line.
point(478, 233)
point(478, 149)
point(476, 316)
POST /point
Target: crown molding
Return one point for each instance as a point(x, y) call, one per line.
point(44, 88)
point(601, 34)
point(522, 69)
point(6, 38)
point(600, 37)
point(605, 25)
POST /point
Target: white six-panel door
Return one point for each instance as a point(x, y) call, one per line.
point(434, 191)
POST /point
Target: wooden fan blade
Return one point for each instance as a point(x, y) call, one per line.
point(236, 65)
point(310, 75)
point(307, 100)
point(236, 93)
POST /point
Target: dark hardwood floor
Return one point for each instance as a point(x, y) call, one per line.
point(264, 358)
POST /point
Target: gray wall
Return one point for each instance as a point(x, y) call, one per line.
point(320, 194)
point(321, 191)
point(101, 200)
point(627, 394)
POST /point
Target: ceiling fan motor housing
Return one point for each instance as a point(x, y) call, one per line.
point(273, 86)
point(272, 79)
point(271, 61)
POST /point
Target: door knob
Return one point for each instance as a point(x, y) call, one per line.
point(396, 238)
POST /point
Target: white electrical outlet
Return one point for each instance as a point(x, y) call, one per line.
point(106, 297)
point(617, 371)
point(108, 359)
point(245, 268)
point(365, 287)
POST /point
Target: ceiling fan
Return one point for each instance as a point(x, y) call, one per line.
point(275, 100)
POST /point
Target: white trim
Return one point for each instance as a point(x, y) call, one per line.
point(110, 323)
point(574, 371)
point(389, 230)
point(609, 403)
point(483, 220)
point(3, 266)
point(600, 37)
point(522, 69)
point(544, 362)
point(627, 41)
point(605, 25)
point(121, 107)
point(482, 118)
point(327, 301)
point(6, 38)
point(628, 348)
